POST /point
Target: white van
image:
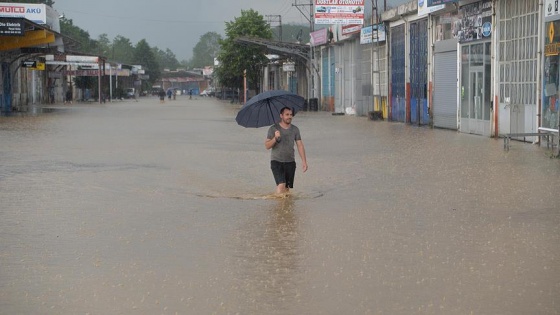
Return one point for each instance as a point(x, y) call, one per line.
point(130, 93)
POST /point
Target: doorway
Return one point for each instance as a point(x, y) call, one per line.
point(475, 89)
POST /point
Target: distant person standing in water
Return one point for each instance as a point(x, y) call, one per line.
point(68, 99)
point(280, 139)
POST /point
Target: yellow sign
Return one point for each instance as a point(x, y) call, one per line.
point(40, 66)
point(550, 32)
point(552, 49)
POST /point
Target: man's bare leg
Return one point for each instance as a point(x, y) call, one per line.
point(281, 188)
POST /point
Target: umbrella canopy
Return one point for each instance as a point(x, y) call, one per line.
point(264, 109)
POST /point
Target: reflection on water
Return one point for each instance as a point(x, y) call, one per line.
point(267, 260)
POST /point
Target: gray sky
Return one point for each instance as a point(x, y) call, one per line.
point(174, 24)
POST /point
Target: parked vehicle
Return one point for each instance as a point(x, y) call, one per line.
point(208, 92)
point(130, 93)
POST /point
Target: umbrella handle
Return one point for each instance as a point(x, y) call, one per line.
point(279, 138)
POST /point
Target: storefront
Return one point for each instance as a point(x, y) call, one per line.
point(551, 75)
point(397, 89)
point(444, 107)
point(518, 67)
point(418, 57)
point(474, 31)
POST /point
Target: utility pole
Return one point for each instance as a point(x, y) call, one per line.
point(309, 16)
point(375, 72)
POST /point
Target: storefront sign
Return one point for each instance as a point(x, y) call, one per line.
point(319, 37)
point(424, 8)
point(339, 11)
point(82, 73)
point(29, 64)
point(351, 29)
point(289, 67)
point(71, 58)
point(34, 12)
point(551, 8)
point(551, 101)
point(552, 49)
point(33, 65)
point(432, 3)
point(40, 66)
point(475, 22)
point(12, 27)
point(372, 34)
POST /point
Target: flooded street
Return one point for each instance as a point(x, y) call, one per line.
point(148, 208)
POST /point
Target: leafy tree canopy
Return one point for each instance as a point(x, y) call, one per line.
point(166, 59)
point(143, 55)
point(206, 50)
point(236, 58)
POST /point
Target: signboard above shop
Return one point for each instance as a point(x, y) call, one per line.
point(373, 34)
point(29, 64)
point(339, 12)
point(475, 22)
point(432, 3)
point(12, 27)
point(41, 14)
point(551, 10)
point(424, 8)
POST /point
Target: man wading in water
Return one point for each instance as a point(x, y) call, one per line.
point(281, 138)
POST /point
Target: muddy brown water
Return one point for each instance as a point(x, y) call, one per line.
point(148, 208)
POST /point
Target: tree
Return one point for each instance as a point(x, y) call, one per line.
point(165, 59)
point(122, 50)
point(85, 43)
point(143, 55)
point(206, 50)
point(104, 45)
point(236, 58)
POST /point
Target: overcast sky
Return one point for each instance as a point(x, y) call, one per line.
point(174, 24)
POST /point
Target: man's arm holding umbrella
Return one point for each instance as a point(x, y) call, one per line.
point(301, 151)
point(269, 143)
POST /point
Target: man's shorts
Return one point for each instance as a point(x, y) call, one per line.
point(284, 172)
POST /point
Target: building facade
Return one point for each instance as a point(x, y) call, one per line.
point(483, 67)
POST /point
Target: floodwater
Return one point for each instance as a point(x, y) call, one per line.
point(148, 208)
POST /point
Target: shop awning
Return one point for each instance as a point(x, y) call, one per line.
point(18, 33)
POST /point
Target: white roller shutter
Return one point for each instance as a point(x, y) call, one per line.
point(445, 88)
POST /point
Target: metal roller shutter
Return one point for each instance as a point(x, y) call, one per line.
point(445, 90)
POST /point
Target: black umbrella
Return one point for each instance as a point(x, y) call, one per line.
point(264, 109)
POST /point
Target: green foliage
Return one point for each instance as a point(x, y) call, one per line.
point(85, 43)
point(166, 59)
point(235, 58)
point(206, 50)
point(143, 55)
point(104, 45)
point(122, 50)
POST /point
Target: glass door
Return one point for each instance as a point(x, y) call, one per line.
point(475, 89)
point(476, 99)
